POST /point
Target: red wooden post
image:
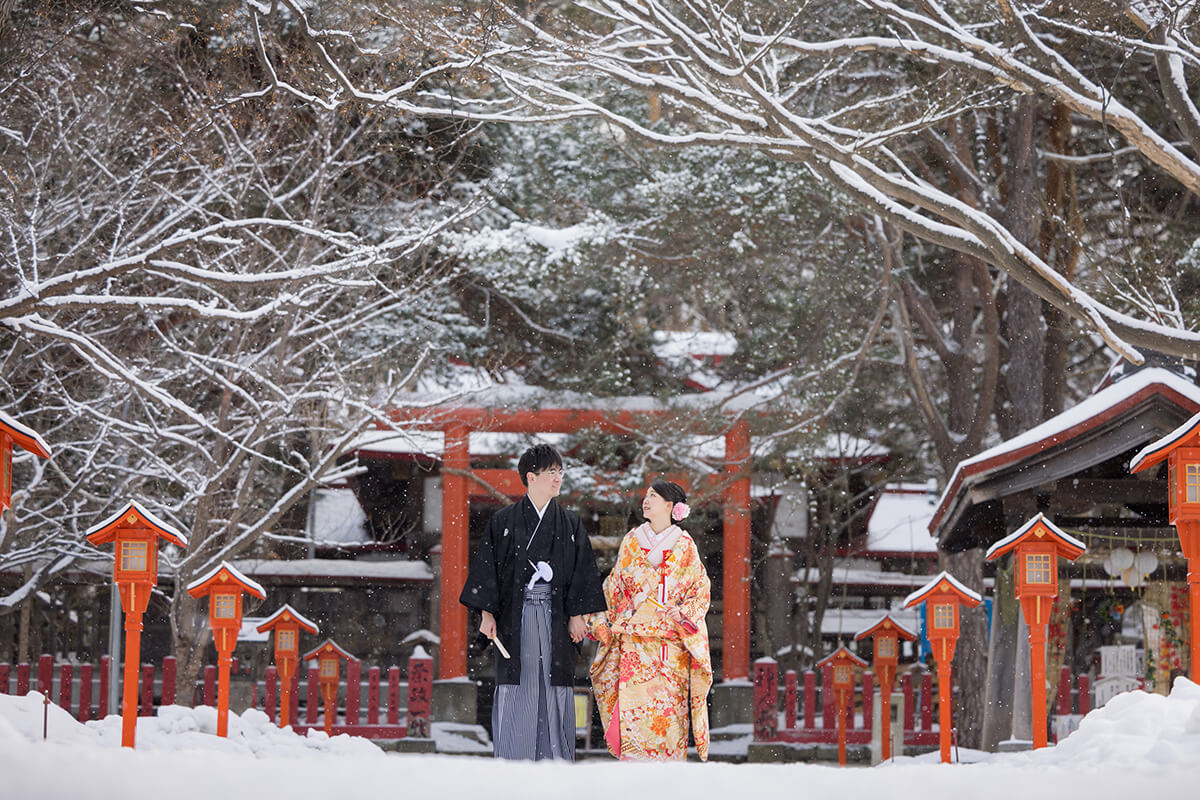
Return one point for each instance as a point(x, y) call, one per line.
point(314, 697)
point(910, 708)
point(269, 694)
point(147, 705)
point(168, 681)
point(22, 680)
point(85, 692)
point(4, 670)
point(810, 699)
point(210, 685)
point(102, 699)
point(65, 673)
point(766, 700)
point(420, 694)
point(926, 700)
point(1064, 691)
point(868, 701)
point(45, 674)
point(393, 696)
point(735, 639)
point(373, 696)
point(295, 699)
point(789, 699)
point(456, 459)
point(1085, 694)
point(828, 698)
point(353, 691)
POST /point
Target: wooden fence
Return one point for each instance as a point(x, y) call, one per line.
point(83, 690)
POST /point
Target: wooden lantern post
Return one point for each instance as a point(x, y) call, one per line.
point(287, 624)
point(842, 661)
point(1038, 545)
point(887, 634)
point(329, 658)
point(14, 434)
point(1181, 450)
point(942, 597)
point(224, 587)
point(134, 532)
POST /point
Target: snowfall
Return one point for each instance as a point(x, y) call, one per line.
point(1137, 746)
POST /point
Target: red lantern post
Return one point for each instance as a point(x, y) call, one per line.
point(223, 587)
point(329, 658)
point(1038, 545)
point(842, 662)
point(888, 633)
point(135, 533)
point(287, 624)
point(1181, 450)
point(942, 597)
point(14, 434)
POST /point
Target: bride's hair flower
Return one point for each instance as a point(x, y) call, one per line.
point(680, 511)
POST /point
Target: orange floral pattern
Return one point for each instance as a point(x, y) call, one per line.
point(647, 667)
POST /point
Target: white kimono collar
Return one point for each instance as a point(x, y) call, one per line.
point(659, 544)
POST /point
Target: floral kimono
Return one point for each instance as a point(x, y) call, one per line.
point(649, 670)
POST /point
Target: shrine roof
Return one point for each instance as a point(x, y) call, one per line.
point(969, 596)
point(1158, 450)
point(899, 522)
point(114, 521)
point(329, 568)
point(271, 621)
point(1072, 547)
point(25, 436)
point(881, 624)
point(1100, 409)
point(255, 588)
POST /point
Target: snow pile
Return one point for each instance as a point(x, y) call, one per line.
point(175, 728)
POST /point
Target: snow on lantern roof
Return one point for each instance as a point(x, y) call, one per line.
point(885, 624)
point(328, 646)
point(946, 582)
point(200, 586)
point(281, 615)
point(842, 653)
point(106, 531)
point(1153, 453)
point(899, 522)
point(1114, 399)
point(1071, 548)
point(23, 435)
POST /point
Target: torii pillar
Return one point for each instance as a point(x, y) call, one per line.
point(456, 461)
point(735, 580)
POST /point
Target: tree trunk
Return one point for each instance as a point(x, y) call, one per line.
point(971, 654)
point(189, 627)
point(25, 622)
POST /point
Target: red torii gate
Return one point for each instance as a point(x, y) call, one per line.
point(456, 424)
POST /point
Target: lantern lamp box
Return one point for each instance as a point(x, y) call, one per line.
point(134, 533)
point(14, 434)
point(943, 595)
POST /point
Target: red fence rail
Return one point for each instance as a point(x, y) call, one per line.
point(83, 691)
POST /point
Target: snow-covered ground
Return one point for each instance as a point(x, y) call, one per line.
point(1139, 745)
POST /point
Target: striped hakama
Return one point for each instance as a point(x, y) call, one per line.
point(534, 720)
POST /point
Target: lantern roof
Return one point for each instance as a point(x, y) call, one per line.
point(1186, 435)
point(886, 624)
point(286, 614)
point(23, 435)
point(841, 654)
point(328, 646)
point(1038, 529)
point(225, 573)
point(133, 516)
point(944, 583)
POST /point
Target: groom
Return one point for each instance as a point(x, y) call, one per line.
point(532, 579)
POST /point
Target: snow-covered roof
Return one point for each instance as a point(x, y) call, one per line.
point(954, 583)
point(249, 584)
point(849, 621)
point(863, 576)
point(844, 653)
point(25, 436)
point(692, 344)
point(395, 570)
point(1008, 542)
point(899, 522)
point(1156, 451)
point(432, 443)
point(881, 623)
point(304, 622)
point(166, 531)
point(1120, 396)
point(331, 646)
point(338, 517)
